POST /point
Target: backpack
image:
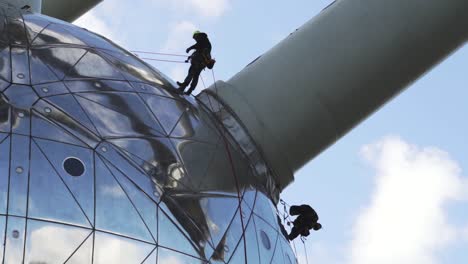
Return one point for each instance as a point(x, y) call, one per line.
point(210, 63)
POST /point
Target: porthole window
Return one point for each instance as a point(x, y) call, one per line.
point(74, 166)
point(265, 240)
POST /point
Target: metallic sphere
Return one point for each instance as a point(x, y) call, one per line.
point(101, 162)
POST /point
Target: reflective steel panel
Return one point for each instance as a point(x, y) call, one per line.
point(169, 256)
point(4, 172)
point(251, 241)
point(267, 239)
point(40, 72)
point(83, 254)
point(49, 196)
point(20, 65)
point(81, 187)
point(14, 239)
point(5, 68)
point(53, 243)
point(2, 234)
point(119, 250)
point(55, 34)
point(19, 174)
point(239, 255)
point(231, 242)
point(171, 236)
point(115, 212)
point(101, 161)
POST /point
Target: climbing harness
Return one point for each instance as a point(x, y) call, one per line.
point(209, 62)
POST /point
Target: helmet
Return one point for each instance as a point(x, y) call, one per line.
point(196, 32)
point(317, 226)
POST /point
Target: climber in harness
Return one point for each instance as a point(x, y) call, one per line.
point(307, 219)
point(199, 60)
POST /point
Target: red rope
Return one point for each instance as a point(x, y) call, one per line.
point(226, 145)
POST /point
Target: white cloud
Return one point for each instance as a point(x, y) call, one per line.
point(179, 37)
point(406, 222)
point(204, 8)
point(209, 8)
point(57, 242)
point(113, 191)
point(123, 250)
point(178, 73)
point(54, 242)
point(317, 252)
point(464, 234)
point(94, 23)
point(172, 260)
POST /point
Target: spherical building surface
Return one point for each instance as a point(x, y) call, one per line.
point(101, 162)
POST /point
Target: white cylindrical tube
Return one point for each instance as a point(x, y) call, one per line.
point(337, 69)
point(68, 10)
point(36, 5)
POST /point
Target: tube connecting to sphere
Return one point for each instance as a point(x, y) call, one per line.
point(325, 78)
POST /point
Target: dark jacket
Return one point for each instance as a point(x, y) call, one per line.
point(307, 215)
point(202, 49)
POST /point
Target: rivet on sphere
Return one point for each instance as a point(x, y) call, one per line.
point(19, 170)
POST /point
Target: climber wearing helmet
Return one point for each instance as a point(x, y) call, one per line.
point(198, 61)
point(307, 219)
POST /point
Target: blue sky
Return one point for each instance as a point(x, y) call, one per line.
point(394, 190)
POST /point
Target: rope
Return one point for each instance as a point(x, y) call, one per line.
point(226, 146)
point(158, 53)
point(203, 81)
point(295, 249)
point(303, 239)
point(284, 202)
point(286, 215)
point(287, 220)
point(173, 61)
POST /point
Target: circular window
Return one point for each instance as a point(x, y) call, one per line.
point(15, 234)
point(74, 167)
point(265, 240)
